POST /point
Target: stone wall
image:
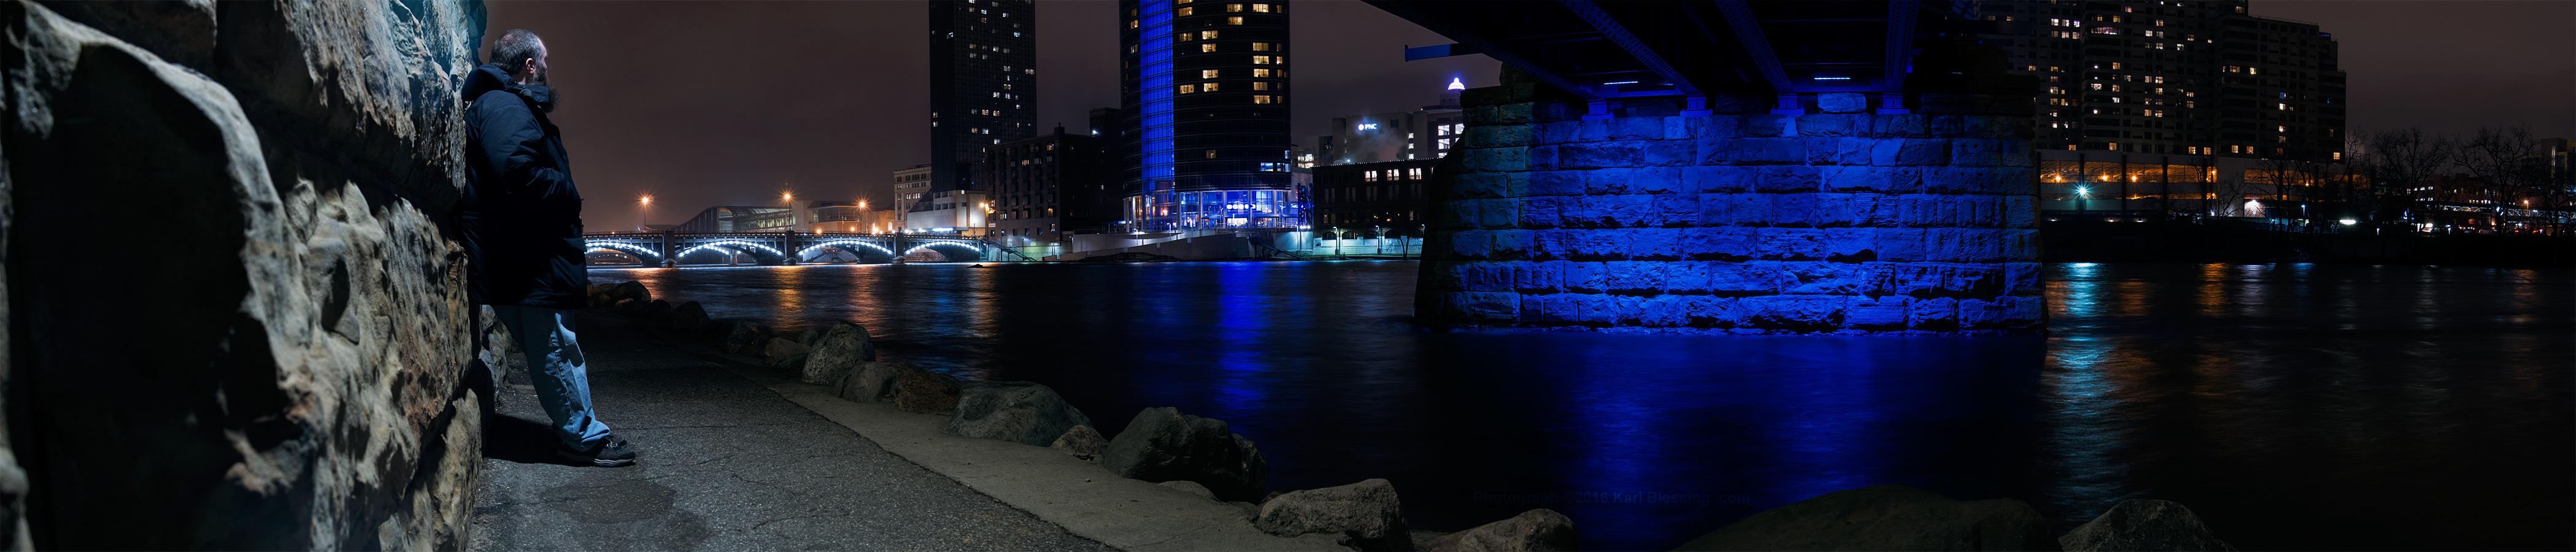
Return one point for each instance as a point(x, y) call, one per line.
point(235, 304)
point(1836, 217)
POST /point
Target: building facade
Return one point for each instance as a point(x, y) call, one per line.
point(738, 218)
point(1205, 88)
point(2189, 77)
point(983, 85)
point(1427, 133)
point(1054, 183)
point(1372, 200)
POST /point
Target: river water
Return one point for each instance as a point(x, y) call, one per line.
point(2292, 406)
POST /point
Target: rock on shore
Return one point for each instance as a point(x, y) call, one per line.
point(2140, 524)
point(1885, 517)
point(926, 392)
point(841, 349)
point(1085, 443)
point(1367, 514)
point(744, 336)
point(1540, 530)
point(1017, 411)
point(1162, 444)
point(689, 318)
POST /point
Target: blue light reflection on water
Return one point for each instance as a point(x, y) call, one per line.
point(2248, 392)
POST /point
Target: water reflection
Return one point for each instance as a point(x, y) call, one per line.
point(2292, 406)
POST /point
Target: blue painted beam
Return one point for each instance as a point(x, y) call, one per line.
point(1415, 53)
point(1618, 34)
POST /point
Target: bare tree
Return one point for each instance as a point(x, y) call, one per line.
point(2503, 159)
point(2401, 160)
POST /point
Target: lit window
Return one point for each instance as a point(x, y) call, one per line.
point(1370, 176)
point(1188, 88)
point(1260, 46)
point(1263, 8)
point(1260, 60)
point(1261, 72)
point(1186, 11)
point(1208, 35)
point(1207, 74)
point(1188, 36)
point(1261, 85)
point(1236, 20)
point(1207, 47)
point(1211, 154)
point(2283, 107)
point(1234, 7)
point(1260, 99)
point(1415, 174)
point(2338, 155)
point(1211, 87)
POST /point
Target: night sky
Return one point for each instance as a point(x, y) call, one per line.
point(730, 103)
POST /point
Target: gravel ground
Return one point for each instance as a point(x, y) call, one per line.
point(726, 464)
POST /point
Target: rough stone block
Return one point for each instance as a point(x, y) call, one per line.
point(2022, 278)
point(1751, 209)
point(1867, 179)
point(1790, 179)
point(1768, 151)
point(1715, 151)
point(1824, 125)
point(1540, 212)
point(1792, 312)
point(1669, 153)
point(1945, 126)
point(1661, 311)
point(1511, 159)
point(1790, 243)
point(2019, 245)
point(1743, 278)
point(1497, 213)
point(1675, 210)
point(1835, 211)
point(2019, 212)
point(1908, 125)
point(1703, 311)
point(1456, 214)
point(1495, 307)
point(1715, 179)
point(1841, 102)
point(1876, 313)
point(1502, 136)
point(1923, 151)
point(1594, 155)
point(1720, 243)
point(1934, 314)
point(1975, 211)
point(1546, 133)
point(1766, 125)
point(1635, 128)
point(1558, 183)
point(1477, 185)
point(1897, 244)
point(1511, 244)
point(1471, 244)
point(1538, 276)
point(2000, 313)
point(1823, 278)
point(1661, 244)
point(1798, 209)
point(1836, 151)
point(1541, 158)
point(1877, 210)
point(1584, 276)
point(1851, 245)
point(1632, 277)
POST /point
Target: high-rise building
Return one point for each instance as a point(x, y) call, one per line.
point(1206, 92)
point(1425, 133)
point(2190, 77)
point(983, 86)
point(1055, 183)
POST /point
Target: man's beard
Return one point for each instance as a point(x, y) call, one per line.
point(554, 97)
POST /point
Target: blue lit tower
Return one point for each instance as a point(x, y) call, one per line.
point(1206, 92)
point(983, 85)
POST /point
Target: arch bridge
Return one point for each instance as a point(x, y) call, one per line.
point(787, 248)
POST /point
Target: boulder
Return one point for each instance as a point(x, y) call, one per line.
point(778, 349)
point(656, 309)
point(744, 336)
point(630, 289)
point(1885, 517)
point(925, 392)
point(2141, 524)
point(598, 296)
point(305, 385)
point(1189, 487)
point(626, 307)
point(687, 318)
point(842, 347)
point(792, 364)
point(1085, 443)
point(809, 336)
point(1540, 530)
point(869, 382)
point(1162, 444)
point(1366, 514)
point(1017, 411)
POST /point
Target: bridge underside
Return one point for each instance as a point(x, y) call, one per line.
point(1734, 167)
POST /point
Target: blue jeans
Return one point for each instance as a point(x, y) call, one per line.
point(554, 361)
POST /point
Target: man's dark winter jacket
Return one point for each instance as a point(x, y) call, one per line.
point(521, 217)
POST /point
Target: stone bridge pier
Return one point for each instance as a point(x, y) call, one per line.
point(1829, 212)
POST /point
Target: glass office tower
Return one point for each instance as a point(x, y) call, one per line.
point(1206, 92)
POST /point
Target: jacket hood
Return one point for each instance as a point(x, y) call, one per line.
point(485, 79)
point(489, 77)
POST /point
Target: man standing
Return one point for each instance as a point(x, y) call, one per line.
point(522, 228)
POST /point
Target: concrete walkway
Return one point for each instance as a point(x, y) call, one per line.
point(726, 464)
point(735, 456)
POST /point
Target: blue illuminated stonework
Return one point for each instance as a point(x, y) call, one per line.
point(1840, 219)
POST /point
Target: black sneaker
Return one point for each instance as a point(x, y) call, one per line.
point(611, 452)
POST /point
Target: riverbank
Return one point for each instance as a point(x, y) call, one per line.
point(2097, 240)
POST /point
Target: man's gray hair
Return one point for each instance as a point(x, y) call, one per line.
point(514, 49)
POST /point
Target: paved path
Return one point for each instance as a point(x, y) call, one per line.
point(727, 464)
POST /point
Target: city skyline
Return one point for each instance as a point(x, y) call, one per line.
point(706, 120)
